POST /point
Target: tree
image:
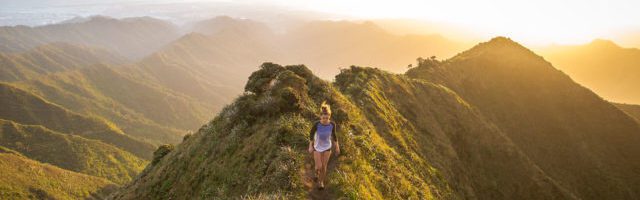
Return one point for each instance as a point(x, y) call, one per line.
point(429, 62)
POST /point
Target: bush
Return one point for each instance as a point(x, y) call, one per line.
point(186, 136)
point(162, 151)
point(260, 80)
point(301, 71)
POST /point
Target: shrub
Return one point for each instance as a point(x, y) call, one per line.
point(162, 151)
point(260, 80)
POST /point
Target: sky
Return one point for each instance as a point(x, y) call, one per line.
point(539, 21)
point(532, 22)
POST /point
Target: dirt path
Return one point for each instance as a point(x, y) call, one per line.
point(310, 184)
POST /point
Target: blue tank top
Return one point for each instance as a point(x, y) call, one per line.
point(322, 135)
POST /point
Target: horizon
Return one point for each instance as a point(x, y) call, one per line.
point(528, 23)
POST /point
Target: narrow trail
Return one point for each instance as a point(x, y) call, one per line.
point(310, 184)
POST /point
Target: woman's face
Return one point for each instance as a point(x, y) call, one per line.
point(324, 117)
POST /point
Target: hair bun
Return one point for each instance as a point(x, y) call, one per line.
point(324, 108)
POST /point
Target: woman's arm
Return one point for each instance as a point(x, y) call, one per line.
point(334, 137)
point(312, 134)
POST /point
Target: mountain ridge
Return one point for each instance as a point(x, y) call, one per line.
point(43, 181)
point(26, 108)
point(529, 99)
point(424, 134)
point(70, 152)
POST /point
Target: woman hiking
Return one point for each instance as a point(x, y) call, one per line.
point(322, 138)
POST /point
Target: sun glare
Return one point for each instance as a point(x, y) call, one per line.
point(532, 22)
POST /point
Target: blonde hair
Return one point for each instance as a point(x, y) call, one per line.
point(325, 108)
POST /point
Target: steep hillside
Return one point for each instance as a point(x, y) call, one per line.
point(22, 178)
point(53, 57)
point(207, 67)
point(70, 152)
point(609, 70)
point(139, 107)
point(630, 109)
point(131, 37)
point(210, 68)
point(400, 139)
point(580, 140)
point(26, 108)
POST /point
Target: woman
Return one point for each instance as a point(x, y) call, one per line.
point(322, 138)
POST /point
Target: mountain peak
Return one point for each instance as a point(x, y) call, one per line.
point(603, 43)
point(502, 42)
point(499, 47)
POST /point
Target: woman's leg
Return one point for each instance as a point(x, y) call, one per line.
point(325, 162)
point(317, 157)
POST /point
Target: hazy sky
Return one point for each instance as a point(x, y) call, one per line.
point(565, 21)
point(539, 21)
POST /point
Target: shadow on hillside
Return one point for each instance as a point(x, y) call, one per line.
point(103, 193)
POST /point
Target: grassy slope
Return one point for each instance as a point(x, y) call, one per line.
point(25, 108)
point(23, 178)
point(583, 142)
point(257, 145)
point(426, 122)
point(141, 108)
point(70, 152)
point(70, 76)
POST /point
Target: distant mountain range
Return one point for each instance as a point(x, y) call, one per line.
point(131, 37)
point(51, 58)
point(608, 69)
point(91, 98)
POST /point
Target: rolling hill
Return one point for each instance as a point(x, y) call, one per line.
point(70, 152)
point(130, 37)
point(23, 178)
point(139, 107)
point(26, 108)
point(50, 58)
point(94, 82)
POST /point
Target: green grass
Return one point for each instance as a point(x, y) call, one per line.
point(494, 122)
point(71, 152)
point(29, 109)
point(23, 178)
